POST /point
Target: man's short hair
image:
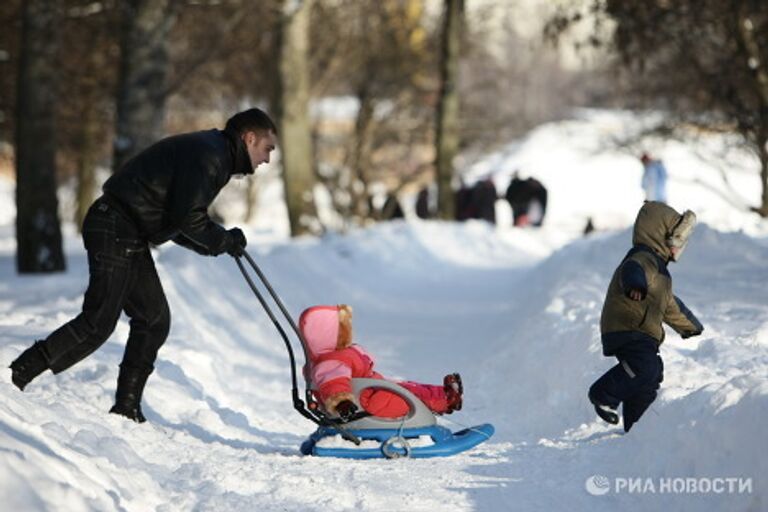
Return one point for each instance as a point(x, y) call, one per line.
point(251, 120)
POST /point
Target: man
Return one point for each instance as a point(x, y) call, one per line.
point(161, 194)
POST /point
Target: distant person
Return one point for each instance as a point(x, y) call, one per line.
point(483, 198)
point(161, 194)
point(590, 227)
point(654, 181)
point(528, 200)
point(391, 209)
point(638, 301)
point(465, 208)
point(423, 211)
point(334, 359)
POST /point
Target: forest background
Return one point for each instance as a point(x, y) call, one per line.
point(372, 98)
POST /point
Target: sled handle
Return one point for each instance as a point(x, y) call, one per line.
point(314, 415)
point(277, 300)
point(298, 403)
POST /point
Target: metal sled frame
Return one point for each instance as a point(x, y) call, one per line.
point(393, 434)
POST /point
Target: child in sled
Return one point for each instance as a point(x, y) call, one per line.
point(334, 360)
point(638, 301)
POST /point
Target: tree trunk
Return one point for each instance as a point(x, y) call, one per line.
point(759, 69)
point(87, 156)
point(763, 153)
point(293, 116)
point(251, 199)
point(38, 231)
point(361, 159)
point(141, 92)
point(447, 137)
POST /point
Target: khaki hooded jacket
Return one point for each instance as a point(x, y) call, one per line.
point(644, 268)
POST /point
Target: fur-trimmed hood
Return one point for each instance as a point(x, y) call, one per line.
point(326, 328)
point(660, 228)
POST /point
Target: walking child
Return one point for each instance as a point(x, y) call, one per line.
point(638, 301)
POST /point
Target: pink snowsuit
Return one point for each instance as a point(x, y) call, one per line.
point(333, 361)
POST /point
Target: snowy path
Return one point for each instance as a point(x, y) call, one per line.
point(224, 437)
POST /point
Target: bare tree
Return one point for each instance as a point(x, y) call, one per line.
point(10, 37)
point(447, 138)
point(142, 87)
point(38, 232)
point(705, 61)
point(222, 54)
point(87, 74)
point(201, 60)
point(512, 82)
point(380, 53)
point(293, 115)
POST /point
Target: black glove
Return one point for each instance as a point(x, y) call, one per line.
point(346, 409)
point(236, 242)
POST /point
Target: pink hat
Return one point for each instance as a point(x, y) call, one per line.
point(320, 327)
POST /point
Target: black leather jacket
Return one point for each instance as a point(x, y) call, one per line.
point(167, 188)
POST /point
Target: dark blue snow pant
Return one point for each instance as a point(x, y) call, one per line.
point(634, 381)
point(122, 278)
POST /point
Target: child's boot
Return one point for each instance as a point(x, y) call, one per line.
point(606, 412)
point(453, 391)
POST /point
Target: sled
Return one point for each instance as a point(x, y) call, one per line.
point(415, 435)
point(365, 436)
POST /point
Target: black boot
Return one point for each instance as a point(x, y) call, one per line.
point(130, 386)
point(606, 412)
point(31, 363)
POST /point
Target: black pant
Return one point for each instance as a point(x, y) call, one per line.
point(122, 278)
point(634, 381)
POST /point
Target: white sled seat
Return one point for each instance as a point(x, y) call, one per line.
point(418, 415)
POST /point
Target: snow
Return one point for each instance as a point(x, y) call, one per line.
point(516, 311)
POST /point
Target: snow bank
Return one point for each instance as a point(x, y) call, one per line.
point(222, 433)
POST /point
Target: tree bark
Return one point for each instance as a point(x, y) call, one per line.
point(293, 115)
point(361, 159)
point(251, 199)
point(759, 68)
point(447, 136)
point(87, 158)
point(38, 230)
point(142, 88)
point(762, 145)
